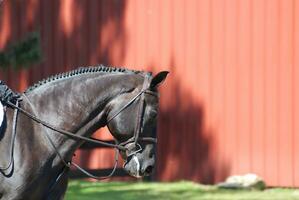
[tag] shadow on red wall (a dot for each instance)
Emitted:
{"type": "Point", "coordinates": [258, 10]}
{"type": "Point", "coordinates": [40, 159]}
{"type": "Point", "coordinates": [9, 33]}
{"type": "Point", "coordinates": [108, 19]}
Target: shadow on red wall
{"type": "Point", "coordinates": [186, 145]}
{"type": "Point", "coordinates": [73, 34]}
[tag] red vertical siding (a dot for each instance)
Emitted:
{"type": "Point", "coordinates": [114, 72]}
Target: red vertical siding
{"type": "Point", "coordinates": [284, 92]}
{"type": "Point", "coordinates": [271, 72]}
{"type": "Point", "coordinates": [258, 88]}
{"type": "Point", "coordinates": [230, 104]}
{"type": "Point", "coordinates": [295, 92]}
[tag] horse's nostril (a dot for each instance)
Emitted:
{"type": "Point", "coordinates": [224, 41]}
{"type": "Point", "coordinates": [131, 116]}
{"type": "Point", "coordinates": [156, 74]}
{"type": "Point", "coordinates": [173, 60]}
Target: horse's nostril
{"type": "Point", "coordinates": [149, 169]}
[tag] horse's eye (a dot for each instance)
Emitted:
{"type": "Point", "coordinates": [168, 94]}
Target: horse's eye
{"type": "Point", "coordinates": [152, 153]}
{"type": "Point", "coordinates": [153, 114]}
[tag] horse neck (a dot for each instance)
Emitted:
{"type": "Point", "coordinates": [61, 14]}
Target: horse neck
{"type": "Point", "coordinates": [77, 104]}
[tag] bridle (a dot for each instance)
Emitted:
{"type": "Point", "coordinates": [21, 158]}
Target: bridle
{"type": "Point", "coordinates": [117, 146]}
{"type": "Point", "coordinates": [136, 137]}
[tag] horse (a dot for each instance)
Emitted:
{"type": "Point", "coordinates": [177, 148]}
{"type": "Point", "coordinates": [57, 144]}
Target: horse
{"type": "Point", "coordinates": [60, 113]}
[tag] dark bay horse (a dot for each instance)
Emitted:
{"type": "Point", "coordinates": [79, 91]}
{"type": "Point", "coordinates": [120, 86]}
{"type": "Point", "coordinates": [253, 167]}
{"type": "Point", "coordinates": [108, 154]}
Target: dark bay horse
{"type": "Point", "coordinates": [33, 156]}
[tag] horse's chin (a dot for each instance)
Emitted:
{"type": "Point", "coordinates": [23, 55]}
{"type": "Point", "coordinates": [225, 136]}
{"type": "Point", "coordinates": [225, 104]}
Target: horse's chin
{"type": "Point", "coordinates": [133, 167]}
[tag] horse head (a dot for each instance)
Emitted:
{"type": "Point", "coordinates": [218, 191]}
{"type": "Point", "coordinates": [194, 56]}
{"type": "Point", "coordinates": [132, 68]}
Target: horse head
{"type": "Point", "coordinates": [132, 120]}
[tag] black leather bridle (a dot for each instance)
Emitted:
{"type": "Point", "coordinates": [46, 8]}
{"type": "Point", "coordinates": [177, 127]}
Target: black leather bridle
{"type": "Point", "coordinates": [133, 141]}
{"type": "Point", "coordinates": [135, 147]}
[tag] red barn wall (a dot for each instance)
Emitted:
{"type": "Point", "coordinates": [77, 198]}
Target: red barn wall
{"type": "Point", "coordinates": [231, 102]}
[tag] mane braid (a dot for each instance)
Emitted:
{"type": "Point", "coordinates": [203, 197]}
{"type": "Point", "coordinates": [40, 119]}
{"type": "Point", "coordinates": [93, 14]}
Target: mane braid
{"type": "Point", "coordinates": [81, 70]}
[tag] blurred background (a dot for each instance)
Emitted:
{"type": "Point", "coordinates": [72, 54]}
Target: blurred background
{"type": "Point", "coordinates": [231, 102]}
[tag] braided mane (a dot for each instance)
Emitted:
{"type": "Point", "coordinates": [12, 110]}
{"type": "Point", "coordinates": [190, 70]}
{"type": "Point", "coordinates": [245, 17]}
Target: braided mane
{"type": "Point", "coordinates": [80, 70]}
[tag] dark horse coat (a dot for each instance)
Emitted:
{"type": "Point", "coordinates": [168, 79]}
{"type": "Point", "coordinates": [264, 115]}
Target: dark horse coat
{"type": "Point", "coordinates": [80, 102]}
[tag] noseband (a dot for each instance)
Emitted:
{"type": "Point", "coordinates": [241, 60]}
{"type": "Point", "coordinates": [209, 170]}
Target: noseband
{"type": "Point", "coordinates": [118, 146]}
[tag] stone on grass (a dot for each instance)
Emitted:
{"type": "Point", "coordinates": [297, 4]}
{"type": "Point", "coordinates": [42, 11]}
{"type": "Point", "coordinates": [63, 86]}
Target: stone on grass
{"type": "Point", "coordinates": [247, 181]}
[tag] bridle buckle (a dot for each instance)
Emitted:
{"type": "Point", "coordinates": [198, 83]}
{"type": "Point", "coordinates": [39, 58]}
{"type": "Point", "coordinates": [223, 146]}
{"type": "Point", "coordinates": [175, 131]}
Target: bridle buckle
{"type": "Point", "coordinates": [138, 149]}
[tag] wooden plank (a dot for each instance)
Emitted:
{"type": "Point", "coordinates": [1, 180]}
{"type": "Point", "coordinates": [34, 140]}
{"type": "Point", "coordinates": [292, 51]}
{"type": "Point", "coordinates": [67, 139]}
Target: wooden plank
{"type": "Point", "coordinates": [189, 60]}
{"type": "Point", "coordinates": [295, 92]}
{"type": "Point", "coordinates": [179, 26]}
{"type": "Point", "coordinates": [93, 31]}
{"type": "Point", "coordinates": [58, 40]}
{"type": "Point", "coordinates": [5, 33]}
{"type": "Point", "coordinates": [5, 23]}
{"type": "Point", "coordinates": [47, 40]}
{"type": "Point", "coordinates": [141, 35]}
{"type": "Point", "coordinates": [130, 22]}
{"type": "Point", "coordinates": [67, 16]}
{"type": "Point", "coordinates": [81, 34]}
{"type": "Point", "coordinates": [35, 72]}
{"type": "Point", "coordinates": [15, 28]}
{"type": "Point", "coordinates": [258, 87]}
{"type": "Point", "coordinates": [244, 90]}
{"type": "Point", "coordinates": [164, 169]}
{"type": "Point", "coordinates": [32, 16]}
{"type": "Point", "coordinates": [230, 86]}
{"type": "Point", "coordinates": [217, 89]}
{"type": "Point", "coordinates": [153, 39]}
{"type": "Point", "coordinates": [23, 73]}
{"type": "Point", "coordinates": [284, 88]}
{"type": "Point", "coordinates": [165, 27]}
{"type": "Point", "coordinates": [271, 79]}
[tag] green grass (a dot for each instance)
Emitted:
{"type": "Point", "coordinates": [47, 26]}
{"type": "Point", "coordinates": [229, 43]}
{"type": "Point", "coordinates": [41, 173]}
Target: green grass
{"type": "Point", "coordinates": [82, 190]}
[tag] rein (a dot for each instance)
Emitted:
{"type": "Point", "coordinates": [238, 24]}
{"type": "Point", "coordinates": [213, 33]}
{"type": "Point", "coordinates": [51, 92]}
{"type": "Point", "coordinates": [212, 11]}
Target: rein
{"type": "Point", "coordinates": [64, 132]}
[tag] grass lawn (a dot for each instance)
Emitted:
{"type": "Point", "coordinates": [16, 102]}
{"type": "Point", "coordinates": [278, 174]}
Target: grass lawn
{"type": "Point", "coordinates": [82, 190]}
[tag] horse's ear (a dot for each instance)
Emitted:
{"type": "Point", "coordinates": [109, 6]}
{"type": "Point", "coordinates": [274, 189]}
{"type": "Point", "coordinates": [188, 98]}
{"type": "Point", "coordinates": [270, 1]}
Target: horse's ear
{"type": "Point", "coordinates": [158, 79]}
